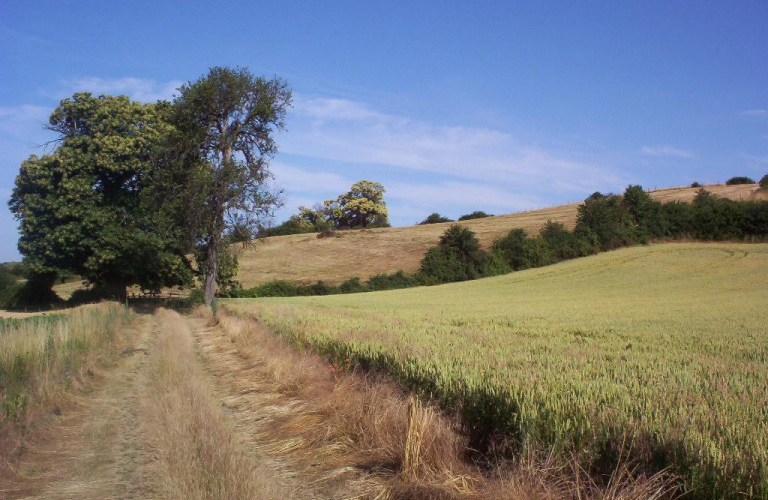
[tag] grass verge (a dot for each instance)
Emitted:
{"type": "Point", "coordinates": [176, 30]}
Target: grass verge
{"type": "Point", "coordinates": [41, 357]}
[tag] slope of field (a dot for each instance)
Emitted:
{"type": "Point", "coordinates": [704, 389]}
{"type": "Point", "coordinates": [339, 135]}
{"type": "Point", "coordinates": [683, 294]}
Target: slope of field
{"type": "Point", "coordinates": [304, 258]}
{"type": "Point", "coordinates": [667, 344]}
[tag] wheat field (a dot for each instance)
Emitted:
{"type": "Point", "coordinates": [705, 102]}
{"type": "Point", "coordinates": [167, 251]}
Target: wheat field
{"type": "Point", "coordinates": [664, 346]}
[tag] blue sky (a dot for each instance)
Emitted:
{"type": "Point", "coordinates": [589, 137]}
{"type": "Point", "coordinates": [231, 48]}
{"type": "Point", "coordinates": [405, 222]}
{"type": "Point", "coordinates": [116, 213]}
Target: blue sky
{"type": "Point", "coordinates": [453, 106]}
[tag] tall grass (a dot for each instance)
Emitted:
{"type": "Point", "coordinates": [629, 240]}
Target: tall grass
{"type": "Point", "coordinates": [42, 356]}
{"type": "Point", "coordinates": [196, 454]}
{"type": "Point", "coordinates": [664, 348]}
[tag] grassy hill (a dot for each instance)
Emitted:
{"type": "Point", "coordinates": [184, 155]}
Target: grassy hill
{"type": "Point", "coordinates": [667, 344]}
{"type": "Point", "coordinates": [304, 258]}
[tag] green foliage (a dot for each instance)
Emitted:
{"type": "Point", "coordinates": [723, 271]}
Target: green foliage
{"type": "Point", "coordinates": [696, 185]}
{"type": "Point", "coordinates": [34, 294]}
{"type": "Point", "coordinates": [521, 252]}
{"type": "Point", "coordinates": [352, 285]}
{"type": "Point", "coordinates": [435, 218]}
{"type": "Point", "coordinates": [213, 174]}
{"type": "Point", "coordinates": [764, 182]}
{"type": "Point", "coordinates": [79, 208]}
{"type": "Point", "coordinates": [458, 257]}
{"type": "Point", "coordinates": [739, 180]}
{"type": "Point", "coordinates": [608, 219]}
{"type": "Point", "coordinates": [362, 206]}
{"type": "Point", "coordinates": [478, 214]}
{"type": "Point", "coordinates": [392, 281]}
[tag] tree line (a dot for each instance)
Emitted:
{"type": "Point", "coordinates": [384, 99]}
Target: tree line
{"type": "Point", "coordinates": [604, 222]}
{"type": "Point", "coordinates": [151, 194]}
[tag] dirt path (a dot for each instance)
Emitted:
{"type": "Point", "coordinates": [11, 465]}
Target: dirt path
{"type": "Point", "coordinates": [157, 426]}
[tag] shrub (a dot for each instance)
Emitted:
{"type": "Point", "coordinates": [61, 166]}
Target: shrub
{"type": "Point", "coordinates": [608, 218]}
{"type": "Point", "coordinates": [478, 214]}
{"type": "Point", "coordinates": [521, 252]}
{"type": "Point", "coordinates": [764, 182]}
{"type": "Point", "coordinates": [695, 185]}
{"type": "Point", "coordinates": [495, 266]}
{"type": "Point", "coordinates": [739, 180]}
{"type": "Point", "coordinates": [458, 257]}
{"type": "Point", "coordinates": [434, 218]}
{"type": "Point", "coordinates": [352, 285]}
{"type": "Point", "coordinates": [562, 244]}
{"type": "Point", "coordinates": [717, 219]}
{"type": "Point", "coordinates": [392, 281]}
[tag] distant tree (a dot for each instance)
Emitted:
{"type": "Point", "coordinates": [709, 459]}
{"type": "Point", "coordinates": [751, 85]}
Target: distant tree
{"type": "Point", "coordinates": [213, 176]}
{"type": "Point", "coordinates": [435, 218]}
{"type": "Point", "coordinates": [739, 180]}
{"type": "Point", "coordinates": [478, 214]}
{"type": "Point", "coordinates": [79, 208]}
{"type": "Point", "coordinates": [695, 185]}
{"type": "Point", "coordinates": [764, 182]}
{"type": "Point", "coordinates": [362, 206]}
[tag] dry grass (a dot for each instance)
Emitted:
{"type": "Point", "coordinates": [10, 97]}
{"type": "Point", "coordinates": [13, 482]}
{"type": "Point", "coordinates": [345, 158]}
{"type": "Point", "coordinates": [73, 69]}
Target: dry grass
{"type": "Point", "coordinates": [333, 424]}
{"type": "Point", "coordinates": [196, 455]}
{"type": "Point", "coordinates": [304, 258]}
{"type": "Point", "coordinates": [42, 357]}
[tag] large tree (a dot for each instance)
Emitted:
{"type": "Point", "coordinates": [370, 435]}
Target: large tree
{"type": "Point", "coordinates": [79, 207]}
{"type": "Point", "coordinates": [214, 176]}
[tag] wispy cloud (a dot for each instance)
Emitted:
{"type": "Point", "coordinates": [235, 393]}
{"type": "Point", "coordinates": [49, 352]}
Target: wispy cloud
{"type": "Point", "coordinates": [140, 89]}
{"type": "Point", "coordinates": [667, 151]}
{"type": "Point", "coordinates": [303, 181]}
{"type": "Point", "coordinates": [22, 122]}
{"type": "Point", "coordinates": [349, 131]}
{"type": "Point", "coordinates": [754, 112]}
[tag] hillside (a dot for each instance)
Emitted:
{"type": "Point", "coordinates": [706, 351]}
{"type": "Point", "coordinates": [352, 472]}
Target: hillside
{"type": "Point", "coordinates": [303, 258]}
{"type": "Point", "coordinates": [664, 343]}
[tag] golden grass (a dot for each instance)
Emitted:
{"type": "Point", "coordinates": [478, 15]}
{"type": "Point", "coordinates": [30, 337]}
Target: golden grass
{"type": "Point", "coordinates": [43, 356]}
{"type": "Point", "coordinates": [303, 258]}
{"type": "Point", "coordinates": [196, 454]}
{"type": "Point", "coordinates": [332, 423]}
{"type": "Point", "coordinates": [664, 345]}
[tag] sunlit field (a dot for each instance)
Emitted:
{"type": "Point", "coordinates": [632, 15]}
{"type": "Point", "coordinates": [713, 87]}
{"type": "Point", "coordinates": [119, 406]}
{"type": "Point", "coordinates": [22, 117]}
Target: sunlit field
{"type": "Point", "coordinates": [661, 350]}
{"type": "Point", "coordinates": [41, 356]}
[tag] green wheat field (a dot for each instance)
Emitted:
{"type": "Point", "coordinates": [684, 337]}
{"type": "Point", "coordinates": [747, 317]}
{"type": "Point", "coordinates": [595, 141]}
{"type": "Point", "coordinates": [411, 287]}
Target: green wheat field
{"type": "Point", "coordinates": [659, 350]}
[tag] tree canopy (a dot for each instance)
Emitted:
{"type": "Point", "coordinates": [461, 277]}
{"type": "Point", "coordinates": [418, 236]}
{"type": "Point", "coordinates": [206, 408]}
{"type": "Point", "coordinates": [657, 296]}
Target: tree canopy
{"type": "Point", "coordinates": [80, 208]}
{"type": "Point", "coordinates": [362, 206]}
{"type": "Point", "coordinates": [214, 175]}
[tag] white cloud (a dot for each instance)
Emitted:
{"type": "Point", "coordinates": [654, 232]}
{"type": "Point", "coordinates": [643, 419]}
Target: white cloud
{"type": "Point", "coordinates": [754, 112]}
{"type": "Point", "coordinates": [140, 89]}
{"type": "Point", "coordinates": [666, 151]}
{"type": "Point", "coordinates": [349, 131]}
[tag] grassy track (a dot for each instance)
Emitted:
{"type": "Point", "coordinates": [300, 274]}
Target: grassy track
{"type": "Point", "coordinates": [666, 344]}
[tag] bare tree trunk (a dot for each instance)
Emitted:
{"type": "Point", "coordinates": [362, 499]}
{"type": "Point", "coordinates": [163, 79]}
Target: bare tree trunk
{"type": "Point", "coordinates": [212, 264]}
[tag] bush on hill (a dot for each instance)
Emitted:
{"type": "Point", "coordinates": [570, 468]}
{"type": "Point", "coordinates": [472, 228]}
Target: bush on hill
{"type": "Point", "coordinates": [435, 218]}
{"type": "Point", "coordinates": [764, 182]}
{"type": "Point", "coordinates": [739, 180]}
{"type": "Point", "coordinates": [478, 214]}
